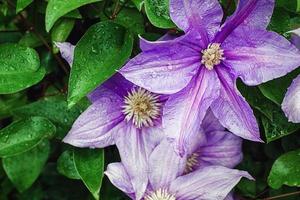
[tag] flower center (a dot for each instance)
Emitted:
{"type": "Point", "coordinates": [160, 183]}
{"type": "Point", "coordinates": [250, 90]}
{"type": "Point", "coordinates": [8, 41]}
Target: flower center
{"type": "Point", "coordinates": [212, 56]}
{"type": "Point", "coordinates": [160, 194]}
{"type": "Point", "coordinates": [142, 107]}
{"type": "Point", "coordinates": [191, 163]}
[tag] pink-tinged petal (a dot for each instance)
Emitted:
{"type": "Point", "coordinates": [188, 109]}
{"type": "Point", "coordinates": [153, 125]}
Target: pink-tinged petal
{"type": "Point", "coordinates": [251, 13]}
{"type": "Point", "coordinates": [291, 102]}
{"type": "Point", "coordinates": [67, 51]}
{"type": "Point", "coordinates": [202, 15]}
{"type": "Point", "coordinates": [164, 70]}
{"type": "Point", "coordinates": [134, 150]}
{"type": "Point", "coordinates": [164, 165]}
{"type": "Point", "coordinates": [119, 177]}
{"type": "Point", "coordinates": [184, 111]}
{"type": "Point", "coordinates": [221, 148]}
{"type": "Point", "coordinates": [258, 56]}
{"type": "Point", "coordinates": [232, 109]}
{"type": "Point", "coordinates": [209, 183]}
{"type": "Point", "coordinates": [95, 126]}
{"type": "Point", "coordinates": [295, 38]}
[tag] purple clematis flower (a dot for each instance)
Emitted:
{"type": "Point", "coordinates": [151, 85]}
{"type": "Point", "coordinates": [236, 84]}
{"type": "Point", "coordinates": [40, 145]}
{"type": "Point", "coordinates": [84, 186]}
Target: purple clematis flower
{"type": "Point", "coordinates": [168, 178]}
{"type": "Point", "coordinates": [291, 102]}
{"type": "Point", "coordinates": [201, 67]}
{"type": "Point", "coordinates": [122, 114]}
{"type": "Point", "coordinates": [212, 145]}
{"type": "Point", "coordinates": [212, 152]}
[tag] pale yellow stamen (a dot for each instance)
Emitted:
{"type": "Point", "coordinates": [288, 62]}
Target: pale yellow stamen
{"type": "Point", "coordinates": [142, 107]}
{"type": "Point", "coordinates": [191, 163]}
{"type": "Point", "coordinates": [212, 56]}
{"type": "Point", "coordinates": [160, 194]}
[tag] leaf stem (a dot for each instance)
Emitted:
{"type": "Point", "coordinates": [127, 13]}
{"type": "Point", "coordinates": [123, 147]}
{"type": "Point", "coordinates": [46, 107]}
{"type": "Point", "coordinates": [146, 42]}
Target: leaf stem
{"type": "Point", "coordinates": [281, 196]}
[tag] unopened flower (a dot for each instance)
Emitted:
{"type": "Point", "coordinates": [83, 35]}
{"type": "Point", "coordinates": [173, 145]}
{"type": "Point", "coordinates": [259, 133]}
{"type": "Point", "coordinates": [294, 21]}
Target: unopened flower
{"type": "Point", "coordinates": [201, 67]}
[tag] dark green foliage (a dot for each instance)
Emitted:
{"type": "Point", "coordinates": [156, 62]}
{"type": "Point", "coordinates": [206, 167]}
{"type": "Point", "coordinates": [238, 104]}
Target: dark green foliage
{"type": "Point", "coordinates": [37, 89]}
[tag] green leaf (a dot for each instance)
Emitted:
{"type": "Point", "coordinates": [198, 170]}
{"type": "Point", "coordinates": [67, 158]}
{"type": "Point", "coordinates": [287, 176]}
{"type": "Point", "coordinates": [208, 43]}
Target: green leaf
{"type": "Point", "coordinates": [280, 21]}
{"type": "Point", "coordinates": [24, 135]}
{"type": "Point", "coordinates": [23, 169]}
{"type": "Point", "coordinates": [103, 49]}
{"type": "Point", "coordinates": [274, 121]}
{"type": "Point", "coordinates": [90, 166]}
{"type": "Point", "coordinates": [21, 4]}
{"type": "Point", "coordinates": [66, 165]}
{"type": "Point", "coordinates": [19, 68]}
{"type": "Point", "coordinates": [58, 8]}
{"type": "Point", "coordinates": [285, 170]}
{"type": "Point", "coordinates": [279, 126]}
{"type": "Point", "coordinates": [298, 6]}
{"type": "Point", "coordinates": [131, 19]}
{"type": "Point", "coordinates": [138, 4]}
{"type": "Point", "coordinates": [54, 109]}
{"type": "Point", "coordinates": [275, 90]}
{"type": "Point", "coordinates": [158, 13]}
{"type": "Point", "coordinates": [9, 102]}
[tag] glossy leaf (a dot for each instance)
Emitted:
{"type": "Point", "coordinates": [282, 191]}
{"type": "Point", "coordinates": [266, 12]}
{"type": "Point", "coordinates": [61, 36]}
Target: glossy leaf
{"type": "Point", "coordinates": [130, 19]}
{"type": "Point", "coordinates": [58, 8]}
{"type": "Point", "coordinates": [66, 165]}
{"type": "Point", "coordinates": [158, 13]}
{"type": "Point", "coordinates": [21, 4]}
{"type": "Point", "coordinates": [138, 4]}
{"type": "Point", "coordinates": [19, 68]}
{"type": "Point", "coordinates": [274, 121]}
{"type": "Point", "coordinates": [275, 90]}
{"type": "Point", "coordinates": [23, 169]}
{"type": "Point", "coordinates": [90, 166]}
{"type": "Point", "coordinates": [23, 135]}
{"type": "Point", "coordinates": [103, 49]}
{"type": "Point", "coordinates": [285, 170]}
{"type": "Point", "coordinates": [54, 109]}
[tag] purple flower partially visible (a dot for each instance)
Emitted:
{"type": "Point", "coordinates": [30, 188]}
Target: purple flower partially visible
{"type": "Point", "coordinates": [202, 177]}
{"type": "Point", "coordinates": [291, 102]}
{"type": "Point", "coordinates": [122, 114]}
{"type": "Point", "coordinates": [201, 67]}
{"type": "Point", "coordinates": [202, 173]}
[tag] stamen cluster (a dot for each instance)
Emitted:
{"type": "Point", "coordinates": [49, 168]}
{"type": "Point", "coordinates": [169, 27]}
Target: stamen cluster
{"type": "Point", "coordinates": [212, 56]}
{"type": "Point", "coordinates": [160, 194]}
{"type": "Point", "coordinates": [191, 163]}
{"type": "Point", "coordinates": [142, 107]}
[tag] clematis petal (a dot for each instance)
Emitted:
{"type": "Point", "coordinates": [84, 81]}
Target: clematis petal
{"type": "Point", "coordinates": [164, 165]}
{"type": "Point", "coordinates": [95, 126]}
{"type": "Point", "coordinates": [67, 51]}
{"type": "Point", "coordinates": [184, 111]}
{"type": "Point", "coordinates": [167, 39]}
{"type": "Point", "coordinates": [202, 15]}
{"type": "Point", "coordinates": [117, 84]}
{"type": "Point", "coordinates": [258, 56]}
{"type": "Point", "coordinates": [291, 102]}
{"type": "Point", "coordinates": [209, 183]}
{"type": "Point", "coordinates": [261, 15]}
{"type": "Point", "coordinates": [211, 123]}
{"type": "Point", "coordinates": [232, 109]}
{"type": "Point", "coordinates": [134, 151]}
{"type": "Point", "coordinates": [251, 13]}
{"type": "Point", "coordinates": [166, 70]}
{"type": "Point", "coordinates": [119, 177]}
{"type": "Point", "coordinates": [221, 148]}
